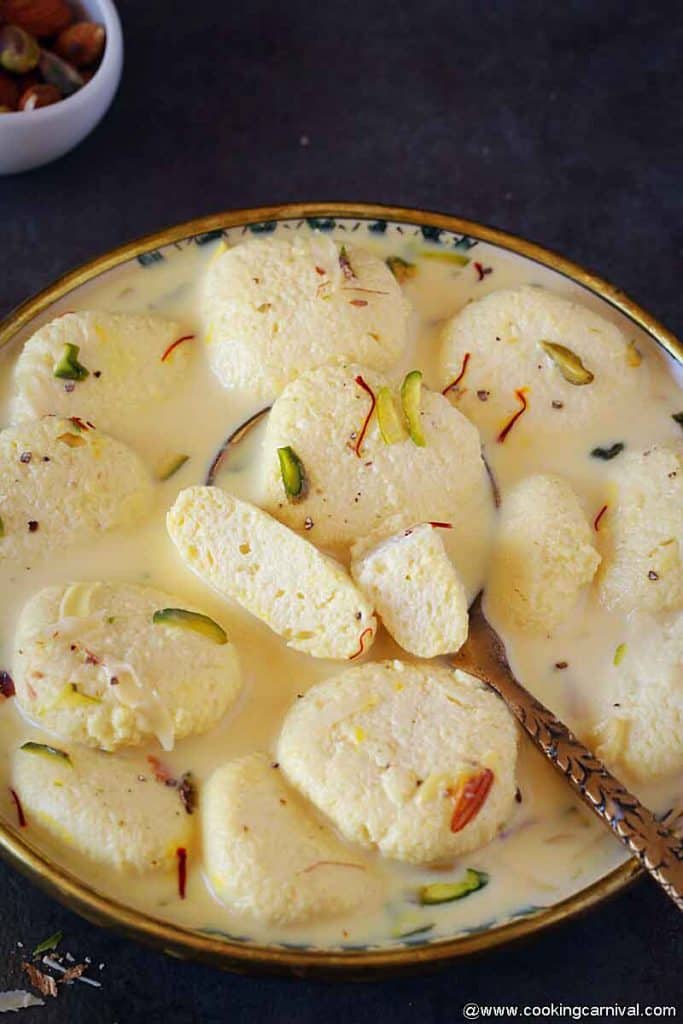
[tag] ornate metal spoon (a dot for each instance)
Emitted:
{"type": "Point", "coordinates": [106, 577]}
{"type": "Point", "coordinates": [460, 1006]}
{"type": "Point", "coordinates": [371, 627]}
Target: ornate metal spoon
{"type": "Point", "coordinates": [658, 849]}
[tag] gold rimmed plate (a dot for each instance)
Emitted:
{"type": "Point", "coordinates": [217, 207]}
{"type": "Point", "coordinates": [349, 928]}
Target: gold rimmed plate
{"type": "Point", "coordinates": [240, 953]}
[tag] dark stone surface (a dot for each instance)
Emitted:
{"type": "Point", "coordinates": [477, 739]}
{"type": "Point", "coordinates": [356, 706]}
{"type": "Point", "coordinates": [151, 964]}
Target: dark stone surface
{"type": "Point", "coordinates": [559, 122]}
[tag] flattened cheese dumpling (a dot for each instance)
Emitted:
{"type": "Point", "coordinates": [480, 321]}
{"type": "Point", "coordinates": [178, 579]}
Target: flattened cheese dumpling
{"type": "Point", "coordinates": [320, 416]}
{"type": "Point", "coordinates": [385, 751]}
{"type": "Point", "coordinates": [95, 804]}
{"type": "Point", "coordinates": [245, 554]}
{"type": "Point", "coordinates": [642, 730]}
{"type": "Point", "coordinates": [414, 587]}
{"type": "Point", "coordinates": [123, 355]}
{"type": "Point", "coordinates": [542, 556]}
{"type": "Point", "coordinates": [60, 485]}
{"type": "Point", "coordinates": [274, 308]}
{"type": "Point", "coordinates": [92, 666]}
{"type": "Point", "coordinates": [642, 532]}
{"type": "Point", "coordinates": [266, 854]}
{"type": "Point", "coordinates": [503, 334]}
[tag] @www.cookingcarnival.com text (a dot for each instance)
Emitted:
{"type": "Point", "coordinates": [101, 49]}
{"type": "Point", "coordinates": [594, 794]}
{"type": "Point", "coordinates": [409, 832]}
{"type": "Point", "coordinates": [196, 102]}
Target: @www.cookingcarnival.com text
{"type": "Point", "coordinates": [578, 1011]}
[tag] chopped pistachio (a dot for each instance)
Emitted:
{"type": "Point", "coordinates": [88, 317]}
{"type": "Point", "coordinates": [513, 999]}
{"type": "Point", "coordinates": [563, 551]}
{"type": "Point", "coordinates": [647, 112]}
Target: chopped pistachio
{"type": "Point", "coordinates": [345, 264]}
{"type": "Point", "coordinates": [171, 466]}
{"type": "Point", "coordinates": [619, 654]}
{"type": "Point", "coordinates": [390, 426]}
{"type": "Point", "coordinates": [293, 474]}
{"type": "Point", "coordinates": [446, 892]}
{"type": "Point", "coordinates": [568, 363]}
{"type": "Point", "coordinates": [446, 257]}
{"type": "Point", "coordinates": [71, 697]}
{"type": "Point", "coordinates": [401, 269]}
{"type": "Point", "coordinates": [411, 391]}
{"type": "Point", "coordinates": [2, 527]}
{"type": "Point", "coordinates": [47, 945]}
{"type": "Point", "coordinates": [60, 73]}
{"type": "Point", "coordinates": [19, 51]}
{"type": "Point", "coordinates": [194, 621]}
{"type": "Point", "coordinates": [68, 367]}
{"type": "Point", "coordinates": [45, 751]}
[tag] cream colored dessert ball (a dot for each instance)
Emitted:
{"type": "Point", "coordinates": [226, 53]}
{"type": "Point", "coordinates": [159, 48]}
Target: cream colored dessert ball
{"type": "Point", "coordinates": [642, 729]}
{"type": "Point", "coordinates": [504, 334]}
{"type": "Point", "coordinates": [542, 556]}
{"type": "Point", "coordinates": [275, 307]}
{"type": "Point", "coordinates": [245, 554]}
{"type": "Point", "coordinates": [349, 494]}
{"type": "Point", "coordinates": [107, 809]}
{"type": "Point", "coordinates": [390, 751]}
{"type": "Point", "coordinates": [93, 666]}
{"type": "Point", "coordinates": [62, 483]}
{"type": "Point", "coordinates": [642, 532]}
{"type": "Point", "coordinates": [414, 587]}
{"type": "Point", "coordinates": [268, 856]}
{"type": "Point", "coordinates": [124, 356]}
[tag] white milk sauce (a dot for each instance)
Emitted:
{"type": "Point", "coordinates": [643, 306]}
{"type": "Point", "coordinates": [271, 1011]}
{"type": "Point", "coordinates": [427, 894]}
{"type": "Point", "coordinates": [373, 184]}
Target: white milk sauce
{"type": "Point", "coordinates": [551, 847]}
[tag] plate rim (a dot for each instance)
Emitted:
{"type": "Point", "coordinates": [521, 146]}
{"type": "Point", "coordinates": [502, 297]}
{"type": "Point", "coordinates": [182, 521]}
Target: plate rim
{"type": "Point", "coordinates": [182, 942]}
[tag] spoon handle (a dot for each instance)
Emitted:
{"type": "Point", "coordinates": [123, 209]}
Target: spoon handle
{"type": "Point", "coordinates": [658, 848]}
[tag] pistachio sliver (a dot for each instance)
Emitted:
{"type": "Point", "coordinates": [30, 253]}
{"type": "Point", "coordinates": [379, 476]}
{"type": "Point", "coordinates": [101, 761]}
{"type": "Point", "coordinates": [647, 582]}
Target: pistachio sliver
{"type": "Point", "coordinates": [446, 257]}
{"type": "Point", "coordinates": [390, 426]}
{"type": "Point", "coordinates": [2, 527]}
{"type": "Point", "coordinates": [411, 393]}
{"type": "Point", "coordinates": [292, 472]}
{"type": "Point", "coordinates": [619, 655]}
{"type": "Point", "coordinates": [45, 751]}
{"type": "Point", "coordinates": [400, 268]}
{"type": "Point", "coordinates": [568, 363]}
{"type": "Point", "coordinates": [171, 466]}
{"type": "Point", "coordinates": [68, 367]}
{"type": "Point", "coordinates": [446, 892]}
{"type": "Point", "coordinates": [194, 621]}
{"type": "Point", "coordinates": [71, 697]}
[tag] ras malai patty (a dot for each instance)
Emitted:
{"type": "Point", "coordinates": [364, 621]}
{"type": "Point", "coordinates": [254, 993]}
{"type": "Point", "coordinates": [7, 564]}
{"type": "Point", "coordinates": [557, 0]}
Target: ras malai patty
{"type": "Point", "coordinates": [569, 360]}
{"type": "Point", "coordinates": [274, 308]}
{"type": "Point", "coordinates": [109, 810]}
{"type": "Point", "coordinates": [246, 555]}
{"type": "Point", "coordinates": [115, 664]}
{"type": "Point", "coordinates": [415, 760]}
{"type": "Point", "coordinates": [268, 856]}
{"type": "Point", "coordinates": [61, 483]}
{"type": "Point", "coordinates": [354, 482]}
{"type": "Point", "coordinates": [642, 727]}
{"type": "Point", "coordinates": [642, 531]}
{"type": "Point", "coordinates": [414, 587]}
{"type": "Point", "coordinates": [102, 367]}
{"type": "Point", "coordinates": [543, 555]}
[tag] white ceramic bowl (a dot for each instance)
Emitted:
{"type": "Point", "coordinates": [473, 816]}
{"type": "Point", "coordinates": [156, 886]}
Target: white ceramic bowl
{"type": "Point", "coordinates": [30, 138]}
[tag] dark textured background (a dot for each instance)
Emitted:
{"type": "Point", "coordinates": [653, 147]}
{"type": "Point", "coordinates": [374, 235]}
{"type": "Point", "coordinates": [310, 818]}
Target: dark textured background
{"type": "Point", "coordinates": [560, 122]}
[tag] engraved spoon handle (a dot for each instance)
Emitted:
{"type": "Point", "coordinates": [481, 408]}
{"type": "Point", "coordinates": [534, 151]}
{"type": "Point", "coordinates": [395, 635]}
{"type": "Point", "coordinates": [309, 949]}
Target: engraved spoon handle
{"type": "Point", "coordinates": [659, 850]}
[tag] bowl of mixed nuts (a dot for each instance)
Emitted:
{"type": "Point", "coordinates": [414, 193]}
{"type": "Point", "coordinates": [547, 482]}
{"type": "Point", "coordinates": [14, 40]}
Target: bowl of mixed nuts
{"type": "Point", "coordinates": [60, 65]}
